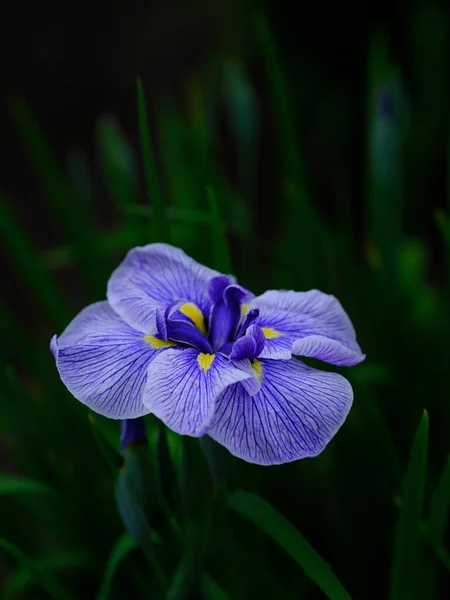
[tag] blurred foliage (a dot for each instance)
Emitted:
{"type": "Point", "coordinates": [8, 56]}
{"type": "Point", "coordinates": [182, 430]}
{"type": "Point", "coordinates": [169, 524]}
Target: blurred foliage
{"type": "Point", "coordinates": [77, 520]}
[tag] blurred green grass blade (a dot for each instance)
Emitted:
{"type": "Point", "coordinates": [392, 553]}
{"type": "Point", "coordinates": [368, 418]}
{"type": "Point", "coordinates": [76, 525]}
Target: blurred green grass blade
{"type": "Point", "coordinates": [116, 162]}
{"type": "Point", "coordinates": [132, 515]}
{"type": "Point", "coordinates": [405, 574]}
{"type": "Point", "coordinates": [119, 169]}
{"type": "Point", "coordinates": [300, 223]}
{"type": "Point", "coordinates": [121, 549]}
{"type": "Point", "coordinates": [80, 177]}
{"type": "Point", "coordinates": [166, 469]}
{"type": "Point", "coordinates": [21, 579]}
{"type": "Point", "coordinates": [284, 108]}
{"type": "Point", "coordinates": [443, 222]}
{"type": "Point", "coordinates": [183, 581]}
{"type": "Point", "coordinates": [10, 485]}
{"type": "Point", "coordinates": [154, 191]}
{"type": "Point", "coordinates": [242, 105]}
{"type": "Point", "coordinates": [107, 450]}
{"type": "Point", "coordinates": [28, 261]}
{"type": "Point", "coordinates": [436, 526]}
{"type": "Point", "coordinates": [439, 507]}
{"type": "Point", "coordinates": [216, 457]}
{"type": "Point", "coordinates": [133, 499]}
{"type": "Point", "coordinates": [386, 128]}
{"type": "Point", "coordinates": [188, 575]}
{"type": "Point", "coordinates": [75, 219]}
{"type": "Point", "coordinates": [43, 578]}
{"type": "Point", "coordinates": [269, 520]}
{"type": "Point", "coordinates": [221, 253]}
{"type": "Point", "coordinates": [211, 590]}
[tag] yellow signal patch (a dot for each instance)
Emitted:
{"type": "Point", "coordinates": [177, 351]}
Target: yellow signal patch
{"type": "Point", "coordinates": [270, 333]}
{"type": "Point", "coordinates": [157, 343]}
{"type": "Point", "coordinates": [205, 361]}
{"type": "Point", "coordinates": [192, 311]}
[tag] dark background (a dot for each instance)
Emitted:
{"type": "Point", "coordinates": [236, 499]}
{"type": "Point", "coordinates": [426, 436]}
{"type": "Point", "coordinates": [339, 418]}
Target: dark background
{"type": "Point", "coordinates": [75, 65]}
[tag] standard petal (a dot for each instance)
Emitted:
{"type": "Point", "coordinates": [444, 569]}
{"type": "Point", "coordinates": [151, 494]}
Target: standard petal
{"type": "Point", "coordinates": [103, 362]}
{"type": "Point", "coordinates": [182, 388]}
{"type": "Point", "coordinates": [294, 415]}
{"type": "Point", "coordinates": [153, 276]}
{"type": "Point", "coordinates": [286, 317]}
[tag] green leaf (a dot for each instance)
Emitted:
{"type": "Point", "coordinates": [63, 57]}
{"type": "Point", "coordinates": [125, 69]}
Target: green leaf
{"type": "Point", "coordinates": [27, 259]}
{"type": "Point", "coordinates": [439, 507]}
{"type": "Point", "coordinates": [300, 221]}
{"type": "Point", "coordinates": [436, 526]}
{"type": "Point", "coordinates": [216, 457]}
{"type": "Point", "coordinates": [121, 549]}
{"type": "Point", "coordinates": [405, 575]}
{"type": "Point", "coordinates": [188, 575]}
{"type": "Point", "coordinates": [42, 578]}
{"type": "Point", "coordinates": [109, 450]}
{"type": "Point", "coordinates": [151, 175]}
{"type": "Point", "coordinates": [221, 253]}
{"type": "Point", "coordinates": [75, 219]}
{"type": "Point", "coordinates": [132, 513]}
{"type": "Point", "coordinates": [133, 500]}
{"type": "Point", "coordinates": [384, 156]}
{"type": "Point", "coordinates": [211, 590]}
{"type": "Point", "coordinates": [10, 485]}
{"type": "Point", "coordinates": [269, 520]}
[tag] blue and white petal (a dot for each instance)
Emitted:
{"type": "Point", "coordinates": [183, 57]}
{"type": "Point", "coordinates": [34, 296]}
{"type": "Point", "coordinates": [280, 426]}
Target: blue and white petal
{"type": "Point", "coordinates": [150, 278]}
{"type": "Point", "coordinates": [103, 362]}
{"type": "Point", "coordinates": [310, 324]}
{"type": "Point", "coordinates": [294, 415]}
{"type": "Point", "coordinates": [182, 388]}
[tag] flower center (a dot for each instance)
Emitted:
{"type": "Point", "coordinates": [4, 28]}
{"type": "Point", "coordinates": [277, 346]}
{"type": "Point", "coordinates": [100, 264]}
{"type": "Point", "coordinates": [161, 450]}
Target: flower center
{"type": "Point", "coordinates": [227, 329]}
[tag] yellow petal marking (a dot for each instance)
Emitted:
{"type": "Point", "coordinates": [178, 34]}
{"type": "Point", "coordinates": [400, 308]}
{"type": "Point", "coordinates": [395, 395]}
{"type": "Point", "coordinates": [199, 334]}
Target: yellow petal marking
{"type": "Point", "coordinates": [192, 311]}
{"type": "Point", "coordinates": [205, 361]}
{"type": "Point", "coordinates": [270, 333]}
{"type": "Point", "coordinates": [244, 308]}
{"type": "Point", "coordinates": [157, 343]}
{"type": "Point", "coordinates": [258, 368]}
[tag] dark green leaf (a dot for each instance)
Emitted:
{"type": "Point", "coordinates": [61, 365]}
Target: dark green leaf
{"type": "Point", "coordinates": [42, 578]}
{"type": "Point", "coordinates": [151, 174]}
{"type": "Point", "coordinates": [221, 253]}
{"type": "Point", "coordinates": [10, 485]}
{"type": "Point", "coordinates": [405, 575]}
{"type": "Point", "coordinates": [269, 520]}
{"type": "Point", "coordinates": [121, 549]}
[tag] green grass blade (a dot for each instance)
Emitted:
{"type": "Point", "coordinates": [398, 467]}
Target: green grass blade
{"type": "Point", "coordinates": [28, 261]}
{"type": "Point", "coordinates": [386, 117]}
{"type": "Point", "coordinates": [44, 579]}
{"type": "Point", "coordinates": [300, 222]}
{"type": "Point", "coordinates": [121, 549]}
{"type": "Point", "coordinates": [161, 229]}
{"type": "Point", "coordinates": [211, 590]}
{"type": "Point", "coordinates": [221, 253]}
{"type": "Point", "coordinates": [436, 526]}
{"type": "Point", "coordinates": [405, 562]}
{"type": "Point", "coordinates": [10, 485]}
{"type": "Point", "coordinates": [75, 220]}
{"type": "Point", "coordinates": [269, 520]}
{"type": "Point", "coordinates": [439, 508]}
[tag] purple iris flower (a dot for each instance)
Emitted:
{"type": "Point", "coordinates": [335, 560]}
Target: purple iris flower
{"type": "Point", "coordinates": [199, 351]}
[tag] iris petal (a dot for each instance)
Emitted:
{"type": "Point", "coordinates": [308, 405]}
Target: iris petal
{"type": "Point", "coordinates": [182, 387]}
{"type": "Point", "coordinates": [153, 276]}
{"type": "Point", "coordinates": [289, 318]}
{"type": "Point", "coordinates": [226, 315]}
{"type": "Point", "coordinates": [294, 415]}
{"type": "Point", "coordinates": [103, 362]}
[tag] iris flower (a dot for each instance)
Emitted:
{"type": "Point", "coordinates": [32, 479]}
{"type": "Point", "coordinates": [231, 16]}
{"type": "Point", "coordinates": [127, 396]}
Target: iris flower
{"type": "Point", "coordinates": [206, 356]}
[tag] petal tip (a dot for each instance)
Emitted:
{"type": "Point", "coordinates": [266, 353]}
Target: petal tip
{"type": "Point", "coordinates": [54, 348]}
